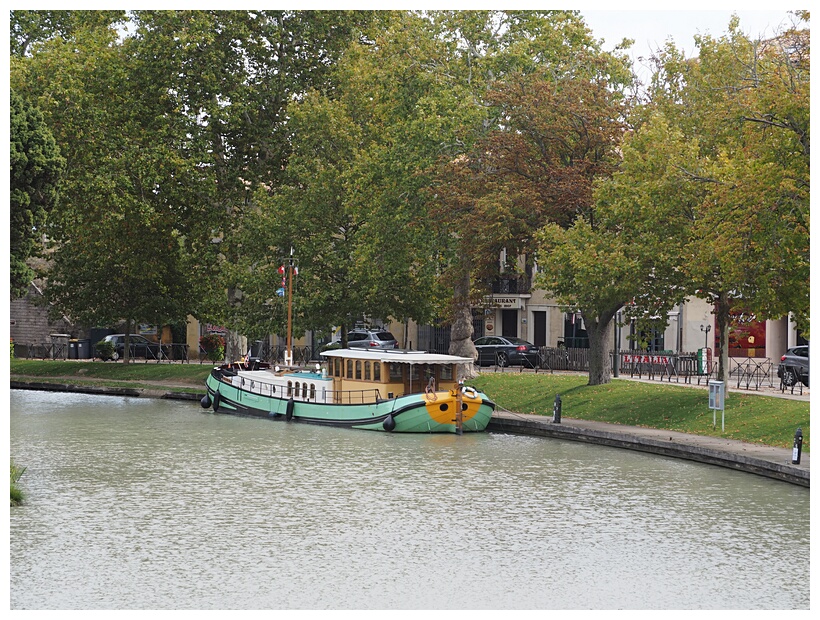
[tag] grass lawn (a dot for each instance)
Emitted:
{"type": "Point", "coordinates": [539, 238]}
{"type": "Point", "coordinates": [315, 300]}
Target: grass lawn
{"type": "Point", "coordinates": [193, 374]}
{"type": "Point", "coordinates": [748, 417]}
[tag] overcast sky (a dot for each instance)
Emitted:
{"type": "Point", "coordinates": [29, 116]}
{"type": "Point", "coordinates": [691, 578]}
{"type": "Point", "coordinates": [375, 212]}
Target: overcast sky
{"type": "Point", "coordinates": [650, 29]}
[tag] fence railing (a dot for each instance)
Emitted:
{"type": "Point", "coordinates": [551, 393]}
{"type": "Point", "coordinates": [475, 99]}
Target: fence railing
{"type": "Point", "coordinates": [167, 352]}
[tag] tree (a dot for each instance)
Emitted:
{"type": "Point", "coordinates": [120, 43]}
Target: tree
{"type": "Point", "coordinates": [352, 205]}
{"type": "Point", "coordinates": [744, 104]}
{"type": "Point", "coordinates": [36, 168]}
{"type": "Point", "coordinates": [552, 103]}
{"type": "Point", "coordinates": [230, 76]}
{"type": "Point", "coordinates": [627, 254]}
{"type": "Point", "coordinates": [116, 243]}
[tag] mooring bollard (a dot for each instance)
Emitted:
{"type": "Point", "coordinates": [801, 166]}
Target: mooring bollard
{"type": "Point", "coordinates": [556, 409]}
{"type": "Point", "coordinates": [798, 446]}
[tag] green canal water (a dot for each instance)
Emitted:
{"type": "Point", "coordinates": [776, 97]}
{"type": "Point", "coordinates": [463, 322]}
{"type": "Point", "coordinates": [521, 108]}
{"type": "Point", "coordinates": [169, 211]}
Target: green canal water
{"type": "Point", "coordinates": [148, 504]}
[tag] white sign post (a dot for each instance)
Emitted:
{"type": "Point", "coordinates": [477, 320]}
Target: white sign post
{"type": "Point", "coordinates": [717, 398]}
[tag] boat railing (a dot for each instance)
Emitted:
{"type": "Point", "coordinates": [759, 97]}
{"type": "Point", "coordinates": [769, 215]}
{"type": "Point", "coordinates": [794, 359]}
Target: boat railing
{"type": "Point", "coordinates": [355, 397]}
{"type": "Point", "coordinates": [303, 390]}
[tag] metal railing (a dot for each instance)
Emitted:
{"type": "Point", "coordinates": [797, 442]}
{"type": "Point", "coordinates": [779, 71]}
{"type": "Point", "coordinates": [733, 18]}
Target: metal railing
{"type": "Point", "coordinates": [305, 391]}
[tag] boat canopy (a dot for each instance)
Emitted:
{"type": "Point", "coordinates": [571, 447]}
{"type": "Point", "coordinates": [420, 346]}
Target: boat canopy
{"type": "Point", "coordinates": [397, 356]}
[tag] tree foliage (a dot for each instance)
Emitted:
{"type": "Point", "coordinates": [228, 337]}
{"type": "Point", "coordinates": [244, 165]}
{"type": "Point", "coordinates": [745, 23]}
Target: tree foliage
{"type": "Point", "coordinates": [740, 112]}
{"type": "Point", "coordinates": [36, 168]}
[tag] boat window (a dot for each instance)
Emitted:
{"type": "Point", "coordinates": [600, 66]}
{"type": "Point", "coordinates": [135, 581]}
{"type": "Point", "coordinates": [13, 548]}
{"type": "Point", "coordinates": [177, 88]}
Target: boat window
{"type": "Point", "coordinates": [298, 385]}
{"type": "Point", "coordinates": [358, 369]}
{"type": "Point", "coordinates": [377, 371]}
{"type": "Point", "coordinates": [349, 369]}
{"type": "Point", "coordinates": [312, 391]}
{"type": "Point", "coordinates": [396, 373]}
{"type": "Point", "coordinates": [290, 388]}
{"type": "Point", "coordinates": [337, 367]}
{"type": "Point", "coordinates": [367, 371]}
{"type": "Point", "coordinates": [446, 372]}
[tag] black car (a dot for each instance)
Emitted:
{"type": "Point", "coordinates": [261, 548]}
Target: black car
{"type": "Point", "coordinates": [506, 351]}
{"type": "Point", "coordinates": [138, 346]}
{"type": "Point", "coordinates": [794, 366]}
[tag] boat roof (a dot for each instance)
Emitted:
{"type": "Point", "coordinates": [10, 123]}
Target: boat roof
{"type": "Point", "coordinates": [397, 356]}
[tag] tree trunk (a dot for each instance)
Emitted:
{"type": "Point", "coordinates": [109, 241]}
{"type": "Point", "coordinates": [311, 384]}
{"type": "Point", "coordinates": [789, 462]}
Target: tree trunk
{"type": "Point", "coordinates": [599, 332]}
{"type": "Point", "coordinates": [461, 328]}
{"type": "Point", "coordinates": [722, 320]}
{"type": "Point", "coordinates": [126, 349]}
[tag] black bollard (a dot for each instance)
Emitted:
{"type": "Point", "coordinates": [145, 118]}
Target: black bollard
{"type": "Point", "coordinates": [556, 409]}
{"type": "Point", "coordinates": [798, 446]}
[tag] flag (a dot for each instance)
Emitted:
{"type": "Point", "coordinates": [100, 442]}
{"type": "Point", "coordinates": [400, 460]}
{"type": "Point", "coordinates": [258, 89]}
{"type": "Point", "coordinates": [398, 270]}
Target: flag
{"type": "Point", "coordinates": [282, 269]}
{"type": "Point", "coordinates": [280, 292]}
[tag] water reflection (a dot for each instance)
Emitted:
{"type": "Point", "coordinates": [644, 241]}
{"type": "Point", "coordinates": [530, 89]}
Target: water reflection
{"type": "Point", "coordinates": [152, 504]}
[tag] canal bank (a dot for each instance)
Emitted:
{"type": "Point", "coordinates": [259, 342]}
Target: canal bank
{"type": "Point", "coordinates": [751, 458]}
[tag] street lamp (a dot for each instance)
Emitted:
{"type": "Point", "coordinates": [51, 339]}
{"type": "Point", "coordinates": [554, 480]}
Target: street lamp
{"type": "Point", "coordinates": [707, 329]}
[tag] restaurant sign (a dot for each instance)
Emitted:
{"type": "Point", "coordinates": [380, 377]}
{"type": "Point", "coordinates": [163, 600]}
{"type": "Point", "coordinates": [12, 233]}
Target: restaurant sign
{"type": "Point", "coordinates": [505, 303]}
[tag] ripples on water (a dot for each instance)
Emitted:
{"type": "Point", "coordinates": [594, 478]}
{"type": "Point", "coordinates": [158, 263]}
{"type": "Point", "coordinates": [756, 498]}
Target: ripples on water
{"type": "Point", "coordinates": [143, 504]}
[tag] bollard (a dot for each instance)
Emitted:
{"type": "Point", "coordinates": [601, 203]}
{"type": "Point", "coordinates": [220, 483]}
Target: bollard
{"type": "Point", "coordinates": [556, 409]}
{"type": "Point", "coordinates": [798, 446]}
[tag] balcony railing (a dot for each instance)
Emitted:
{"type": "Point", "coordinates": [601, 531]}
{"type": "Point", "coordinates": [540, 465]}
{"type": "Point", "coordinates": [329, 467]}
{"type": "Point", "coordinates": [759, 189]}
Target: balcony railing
{"type": "Point", "coordinates": [511, 285]}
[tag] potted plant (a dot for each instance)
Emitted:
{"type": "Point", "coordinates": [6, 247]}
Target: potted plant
{"type": "Point", "coordinates": [214, 347]}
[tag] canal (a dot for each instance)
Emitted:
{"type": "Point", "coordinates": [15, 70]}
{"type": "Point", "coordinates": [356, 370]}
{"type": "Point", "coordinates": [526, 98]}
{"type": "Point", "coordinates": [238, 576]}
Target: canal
{"type": "Point", "coordinates": [152, 504]}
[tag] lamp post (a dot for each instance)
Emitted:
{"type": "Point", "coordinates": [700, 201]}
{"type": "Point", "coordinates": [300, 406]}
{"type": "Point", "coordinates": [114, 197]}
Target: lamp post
{"type": "Point", "coordinates": [707, 329]}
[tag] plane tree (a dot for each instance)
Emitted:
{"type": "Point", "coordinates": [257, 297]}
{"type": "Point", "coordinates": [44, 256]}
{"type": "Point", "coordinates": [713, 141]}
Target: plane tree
{"type": "Point", "coordinates": [743, 105]}
{"type": "Point", "coordinates": [36, 168]}
{"type": "Point", "coordinates": [114, 250]}
{"type": "Point", "coordinates": [351, 206]}
{"type": "Point", "coordinates": [552, 107]}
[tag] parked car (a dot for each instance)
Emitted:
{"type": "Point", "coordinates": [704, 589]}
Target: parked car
{"type": "Point", "coordinates": [371, 339]}
{"type": "Point", "coordinates": [139, 346]}
{"type": "Point", "coordinates": [794, 366]}
{"type": "Point", "coordinates": [506, 351]}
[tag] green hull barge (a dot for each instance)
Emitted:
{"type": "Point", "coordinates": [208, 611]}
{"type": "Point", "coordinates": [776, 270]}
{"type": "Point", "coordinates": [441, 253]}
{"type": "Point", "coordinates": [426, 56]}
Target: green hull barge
{"type": "Point", "coordinates": [385, 390]}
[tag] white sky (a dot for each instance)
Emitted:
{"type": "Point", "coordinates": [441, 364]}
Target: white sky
{"type": "Point", "coordinates": [650, 29]}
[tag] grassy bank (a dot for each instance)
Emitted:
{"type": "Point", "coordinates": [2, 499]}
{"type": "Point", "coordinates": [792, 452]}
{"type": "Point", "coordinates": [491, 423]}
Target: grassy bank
{"type": "Point", "coordinates": [748, 417]}
{"type": "Point", "coordinates": [193, 374]}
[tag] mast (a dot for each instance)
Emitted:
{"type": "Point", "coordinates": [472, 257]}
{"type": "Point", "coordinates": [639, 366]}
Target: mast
{"type": "Point", "coordinates": [289, 344]}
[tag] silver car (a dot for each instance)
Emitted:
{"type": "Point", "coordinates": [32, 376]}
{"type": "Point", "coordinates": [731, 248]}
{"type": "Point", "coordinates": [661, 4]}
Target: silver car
{"type": "Point", "coordinates": [370, 339]}
{"type": "Point", "coordinates": [794, 366]}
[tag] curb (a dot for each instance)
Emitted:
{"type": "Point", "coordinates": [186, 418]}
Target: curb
{"type": "Point", "coordinates": [612, 435]}
{"type": "Point", "coordinates": [104, 390]}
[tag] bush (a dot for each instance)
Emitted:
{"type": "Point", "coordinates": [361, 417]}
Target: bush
{"type": "Point", "coordinates": [16, 493]}
{"type": "Point", "coordinates": [106, 350]}
{"type": "Point", "coordinates": [214, 347]}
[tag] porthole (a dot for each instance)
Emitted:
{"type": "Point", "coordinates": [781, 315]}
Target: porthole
{"type": "Point", "coordinates": [464, 406]}
{"type": "Point", "coordinates": [444, 406]}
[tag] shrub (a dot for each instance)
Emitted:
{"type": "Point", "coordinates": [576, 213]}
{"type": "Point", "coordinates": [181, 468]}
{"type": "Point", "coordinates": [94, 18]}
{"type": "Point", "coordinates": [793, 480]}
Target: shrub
{"type": "Point", "coordinates": [105, 350]}
{"type": "Point", "coordinates": [16, 493]}
{"type": "Point", "coordinates": [214, 347]}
